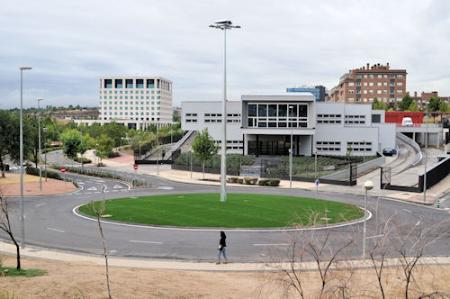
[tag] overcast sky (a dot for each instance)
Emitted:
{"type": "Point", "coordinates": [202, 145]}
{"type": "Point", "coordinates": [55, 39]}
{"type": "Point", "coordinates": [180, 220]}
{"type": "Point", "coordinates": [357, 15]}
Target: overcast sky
{"type": "Point", "coordinates": [70, 44]}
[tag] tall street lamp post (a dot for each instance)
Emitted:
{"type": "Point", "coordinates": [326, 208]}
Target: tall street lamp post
{"type": "Point", "coordinates": [39, 141]}
{"type": "Point", "coordinates": [224, 25]}
{"type": "Point", "coordinates": [45, 154]}
{"type": "Point", "coordinates": [368, 185]}
{"type": "Point", "coordinates": [425, 161]}
{"type": "Point", "coordinates": [291, 148]}
{"type": "Point", "coordinates": [22, 208]}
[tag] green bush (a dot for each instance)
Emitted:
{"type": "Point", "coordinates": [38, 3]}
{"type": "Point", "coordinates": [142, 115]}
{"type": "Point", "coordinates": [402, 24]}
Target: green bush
{"type": "Point", "coordinates": [82, 160]}
{"type": "Point", "coordinates": [269, 182]}
{"type": "Point", "coordinates": [250, 180]}
{"type": "Point", "coordinates": [50, 174]}
{"type": "Point", "coordinates": [234, 161]}
{"type": "Point", "coordinates": [240, 181]}
{"type": "Point", "coordinates": [232, 180]}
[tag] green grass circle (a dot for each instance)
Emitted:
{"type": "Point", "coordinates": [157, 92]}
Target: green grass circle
{"type": "Point", "coordinates": [240, 210]}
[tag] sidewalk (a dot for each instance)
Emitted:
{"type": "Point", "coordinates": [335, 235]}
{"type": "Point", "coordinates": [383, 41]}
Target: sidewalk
{"type": "Point", "coordinates": [56, 255]}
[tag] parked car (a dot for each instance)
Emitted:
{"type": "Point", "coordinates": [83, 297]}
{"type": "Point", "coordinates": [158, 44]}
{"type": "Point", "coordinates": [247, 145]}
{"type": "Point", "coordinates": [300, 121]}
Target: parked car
{"type": "Point", "coordinates": [389, 151]}
{"type": "Point", "coordinates": [407, 122]}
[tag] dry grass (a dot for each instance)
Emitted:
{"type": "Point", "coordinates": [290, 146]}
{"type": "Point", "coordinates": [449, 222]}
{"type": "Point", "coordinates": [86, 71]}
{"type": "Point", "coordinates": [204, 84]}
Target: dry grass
{"type": "Point", "coordinates": [71, 280]}
{"type": "Point", "coordinates": [14, 178]}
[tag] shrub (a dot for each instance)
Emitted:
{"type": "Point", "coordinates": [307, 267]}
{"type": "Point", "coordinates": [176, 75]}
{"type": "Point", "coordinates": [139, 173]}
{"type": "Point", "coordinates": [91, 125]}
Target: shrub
{"type": "Point", "coordinates": [50, 174]}
{"type": "Point", "coordinates": [240, 181]}
{"type": "Point", "coordinates": [82, 160]}
{"type": "Point", "coordinates": [232, 180]}
{"type": "Point", "coordinates": [269, 182]}
{"type": "Point", "coordinates": [250, 180]}
{"type": "Point", "coordinates": [113, 154]}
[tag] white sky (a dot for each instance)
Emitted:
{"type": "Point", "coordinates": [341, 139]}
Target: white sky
{"type": "Point", "coordinates": [70, 44]}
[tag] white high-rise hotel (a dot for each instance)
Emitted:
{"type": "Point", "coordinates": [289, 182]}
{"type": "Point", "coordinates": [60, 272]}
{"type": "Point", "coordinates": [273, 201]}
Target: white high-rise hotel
{"type": "Point", "coordinates": [136, 101]}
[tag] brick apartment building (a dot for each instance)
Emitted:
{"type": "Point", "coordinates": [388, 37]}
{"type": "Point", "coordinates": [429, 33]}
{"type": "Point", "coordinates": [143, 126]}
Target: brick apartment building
{"type": "Point", "coordinates": [364, 84]}
{"type": "Point", "coordinates": [425, 97]}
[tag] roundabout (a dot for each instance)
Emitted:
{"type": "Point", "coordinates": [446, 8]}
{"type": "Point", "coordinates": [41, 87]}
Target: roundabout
{"type": "Point", "coordinates": [51, 223]}
{"type": "Point", "coordinates": [242, 210]}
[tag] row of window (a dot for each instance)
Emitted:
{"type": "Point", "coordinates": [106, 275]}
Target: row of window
{"type": "Point", "coordinates": [126, 113]}
{"type": "Point", "coordinates": [137, 118]}
{"type": "Point", "coordinates": [357, 146]}
{"type": "Point", "coordinates": [131, 97]}
{"type": "Point", "coordinates": [131, 108]}
{"type": "Point", "coordinates": [379, 76]}
{"type": "Point", "coordinates": [126, 103]}
{"type": "Point", "coordinates": [280, 110]}
{"type": "Point", "coordinates": [130, 91]}
{"type": "Point", "coordinates": [254, 122]}
{"type": "Point", "coordinates": [136, 83]}
{"type": "Point", "coordinates": [374, 83]}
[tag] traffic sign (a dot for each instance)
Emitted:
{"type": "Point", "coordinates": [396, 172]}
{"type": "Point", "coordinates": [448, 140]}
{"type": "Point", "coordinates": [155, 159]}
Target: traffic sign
{"type": "Point", "coordinates": [62, 169]}
{"type": "Point", "coordinates": [135, 166]}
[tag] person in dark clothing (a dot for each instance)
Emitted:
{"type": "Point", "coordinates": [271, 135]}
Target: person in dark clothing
{"type": "Point", "coordinates": [222, 248]}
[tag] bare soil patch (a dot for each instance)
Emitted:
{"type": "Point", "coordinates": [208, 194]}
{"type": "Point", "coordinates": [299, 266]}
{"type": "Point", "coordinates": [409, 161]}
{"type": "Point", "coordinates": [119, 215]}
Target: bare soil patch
{"type": "Point", "coordinates": [84, 280]}
{"type": "Point", "coordinates": [10, 185]}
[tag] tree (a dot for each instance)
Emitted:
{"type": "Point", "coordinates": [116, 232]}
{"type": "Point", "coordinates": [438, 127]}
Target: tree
{"type": "Point", "coordinates": [413, 107]}
{"type": "Point", "coordinates": [433, 104]}
{"type": "Point", "coordinates": [116, 132]}
{"type": "Point", "coordinates": [204, 148]}
{"type": "Point", "coordinates": [443, 106]}
{"type": "Point", "coordinates": [5, 225]}
{"type": "Point", "coordinates": [378, 105]}
{"type": "Point", "coordinates": [104, 146]}
{"type": "Point", "coordinates": [71, 140]}
{"type": "Point", "coordinates": [99, 209]}
{"type": "Point", "coordinates": [10, 138]}
{"type": "Point", "coordinates": [405, 102]}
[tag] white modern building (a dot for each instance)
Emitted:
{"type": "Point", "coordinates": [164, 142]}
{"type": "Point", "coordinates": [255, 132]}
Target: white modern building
{"type": "Point", "coordinates": [263, 125]}
{"type": "Point", "coordinates": [135, 101]}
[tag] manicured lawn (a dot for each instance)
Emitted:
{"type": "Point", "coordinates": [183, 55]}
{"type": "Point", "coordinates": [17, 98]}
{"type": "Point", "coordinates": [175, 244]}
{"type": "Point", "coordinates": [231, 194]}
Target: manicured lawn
{"type": "Point", "coordinates": [241, 210]}
{"type": "Point", "coordinates": [12, 271]}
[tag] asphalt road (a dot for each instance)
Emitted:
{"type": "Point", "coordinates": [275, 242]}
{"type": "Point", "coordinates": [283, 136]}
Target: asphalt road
{"type": "Point", "coordinates": [51, 223]}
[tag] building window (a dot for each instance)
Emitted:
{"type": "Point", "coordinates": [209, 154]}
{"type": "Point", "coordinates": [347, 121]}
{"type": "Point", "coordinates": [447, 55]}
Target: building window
{"type": "Point", "coordinates": [107, 83]}
{"type": "Point", "coordinates": [118, 83]}
{"type": "Point", "coordinates": [129, 83]}
{"type": "Point", "coordinates": [139, 83]}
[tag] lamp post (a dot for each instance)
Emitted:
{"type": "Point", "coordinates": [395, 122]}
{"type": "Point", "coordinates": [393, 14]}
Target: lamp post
{"type": "Point", "coordinates": [45, 154]}
{"type": "Point", "coordinates": [368, 185]}
{"type": "Point", "coordinates": [39, 141]}
{"type": "Point", "coordinates": [224, 26]}
{"type": "Point", "coordinates": [291, 147]}
{"type": "Point", "coordinates": [157, 145]}
{"type": "Point", "coordinates": [22, 208]}
{"type": "Point", "coordinates": [425, 161]}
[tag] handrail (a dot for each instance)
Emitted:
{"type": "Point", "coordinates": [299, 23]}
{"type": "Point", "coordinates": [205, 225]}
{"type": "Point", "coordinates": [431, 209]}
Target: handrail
{"type": "Point", "coordinates": [414, 145]}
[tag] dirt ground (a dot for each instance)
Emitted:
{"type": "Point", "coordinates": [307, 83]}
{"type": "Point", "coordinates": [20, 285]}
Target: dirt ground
{"type": "Point", "coordinates": [10, 186]}
{"type": "Point", "coordinates": [70, 280]}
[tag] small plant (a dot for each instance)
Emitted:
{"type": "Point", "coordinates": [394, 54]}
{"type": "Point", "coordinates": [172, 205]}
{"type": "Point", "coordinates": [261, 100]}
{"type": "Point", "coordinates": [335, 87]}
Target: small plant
{"type": "Point", "coordinates": [250, 180]}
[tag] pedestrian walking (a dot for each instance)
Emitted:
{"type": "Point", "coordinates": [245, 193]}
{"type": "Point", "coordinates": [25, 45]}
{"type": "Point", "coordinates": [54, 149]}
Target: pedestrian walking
{"type": "Point", "coordinates": [222, 248]}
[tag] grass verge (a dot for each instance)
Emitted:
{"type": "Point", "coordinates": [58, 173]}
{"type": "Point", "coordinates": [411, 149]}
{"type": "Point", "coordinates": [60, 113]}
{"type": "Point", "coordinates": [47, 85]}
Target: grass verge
{"type": "Point", "coordinates": [12, 272]}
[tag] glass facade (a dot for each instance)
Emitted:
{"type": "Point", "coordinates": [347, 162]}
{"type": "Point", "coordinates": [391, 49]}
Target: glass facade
{"type": "Point", "coordinates": [271, 115]}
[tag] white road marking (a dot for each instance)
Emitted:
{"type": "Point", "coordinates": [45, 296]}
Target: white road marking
{"type": "Point", "coordinates": [408, 211]}
{"type": "Point", "coordinates": [117, 187]}
{"type": "Point", "coordinates": [40, 205]}
{"type": "Point", "coordinates": [165, 188]}
{"type": "Point", "coordinates": [80, 183]}
{"type": "Point", "coordinates": [92, 189]}
{"type": "Point", "coordinates": [55, 229]}
{"type": "Point", "coordinates": [376, 236]}
{"type": "Point", "coordinates": [418, 223]}
{"type": "Point", "coordinates": [272, 244]}
{"type": "Point", "coordinates": [145, 242]}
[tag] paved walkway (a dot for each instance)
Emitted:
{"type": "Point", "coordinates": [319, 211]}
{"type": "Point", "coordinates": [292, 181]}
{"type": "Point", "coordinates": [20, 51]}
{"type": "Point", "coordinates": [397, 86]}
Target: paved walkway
{"type": "Point", "coordinates": [34, 252]}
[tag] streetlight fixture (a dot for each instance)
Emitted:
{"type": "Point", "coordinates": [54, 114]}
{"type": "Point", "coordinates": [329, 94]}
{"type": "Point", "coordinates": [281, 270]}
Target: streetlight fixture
{"type": "Point", "coordinates": [224, 25]}
{"type": "Point", "coordinates": [368, 185]}
{"type": "Point", "coordinates": [39, 141]}
{"type": "Point", "coordinates": [291, 147]}
{"type": "Point", "coordinates": [22, 208]}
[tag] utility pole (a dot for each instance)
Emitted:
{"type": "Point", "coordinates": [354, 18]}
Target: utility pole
{"type": "Point", "coordinates": [39, 141]}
